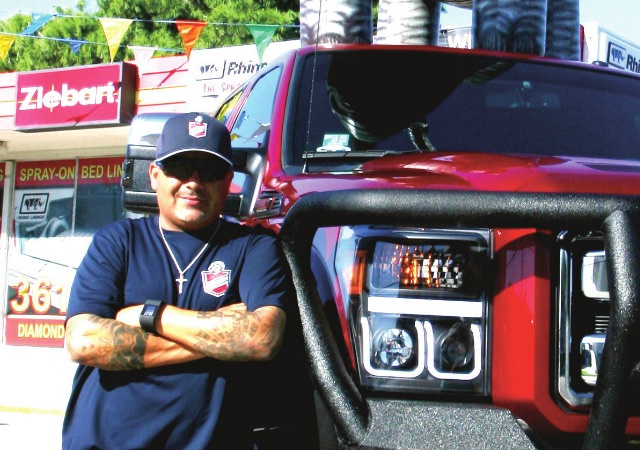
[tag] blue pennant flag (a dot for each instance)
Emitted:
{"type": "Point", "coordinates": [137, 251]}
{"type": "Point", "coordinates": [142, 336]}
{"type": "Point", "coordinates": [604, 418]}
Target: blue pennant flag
{"type": "Point", "coordinates": [38, 21]}
{"type": "Point", "coordinates": [74, 44]}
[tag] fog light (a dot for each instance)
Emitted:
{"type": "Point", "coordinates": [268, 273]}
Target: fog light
{"type": "Point", "coordinates": [393, 347]}
{"type": "Point", "coordinates": [456, 348]}
{"type": "Point", "coordinates": [393, 352]}
{"type": "Point", "coordinates": [454, 353]}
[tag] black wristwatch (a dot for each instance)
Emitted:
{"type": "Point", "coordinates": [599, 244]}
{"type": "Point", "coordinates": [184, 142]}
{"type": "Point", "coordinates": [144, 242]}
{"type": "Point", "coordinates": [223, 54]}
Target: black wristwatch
{"type": "Point", "coordinates": [150, 311]}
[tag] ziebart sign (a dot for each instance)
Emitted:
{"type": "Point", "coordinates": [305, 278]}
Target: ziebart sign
{"type": "Point", "coordinates": [215, 73]}
{"type": "Point", "coordinates": [102, 94]}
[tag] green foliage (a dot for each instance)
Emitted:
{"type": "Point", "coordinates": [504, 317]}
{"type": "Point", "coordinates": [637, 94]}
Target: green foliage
{"type": "Point", "coordinates": [153, 25]}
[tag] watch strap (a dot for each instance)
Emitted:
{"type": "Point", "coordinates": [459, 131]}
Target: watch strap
{"type": "Point", "coordinates": [149, 314]}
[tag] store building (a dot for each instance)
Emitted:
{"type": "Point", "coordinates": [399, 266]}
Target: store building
{"type": "Point", "coordinates": [63, 136]}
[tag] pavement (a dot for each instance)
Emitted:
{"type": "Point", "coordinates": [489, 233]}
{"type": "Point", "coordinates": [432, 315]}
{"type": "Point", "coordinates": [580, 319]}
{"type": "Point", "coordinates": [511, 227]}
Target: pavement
{"type": "Point", "coordinates": [35, 383]}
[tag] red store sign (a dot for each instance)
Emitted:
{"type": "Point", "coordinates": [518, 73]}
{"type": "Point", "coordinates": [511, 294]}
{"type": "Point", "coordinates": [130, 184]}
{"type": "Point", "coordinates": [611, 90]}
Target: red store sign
{"type": "Point", "coordinates": [102, 94]}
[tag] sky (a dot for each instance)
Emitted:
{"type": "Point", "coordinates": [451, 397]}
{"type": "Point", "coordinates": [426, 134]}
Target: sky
{"type": "Point", "coordinates": [619, 16]}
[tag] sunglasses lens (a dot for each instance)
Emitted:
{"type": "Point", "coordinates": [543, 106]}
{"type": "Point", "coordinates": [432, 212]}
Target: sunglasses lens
{"type": "Point", "coordinates": [211, 173]}
{"type": "Point", "coordinates": [182, 169]}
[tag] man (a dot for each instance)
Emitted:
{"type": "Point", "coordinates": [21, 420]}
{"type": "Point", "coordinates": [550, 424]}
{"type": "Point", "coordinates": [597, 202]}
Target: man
{"type": "Point", "coordinates": [172, 319]}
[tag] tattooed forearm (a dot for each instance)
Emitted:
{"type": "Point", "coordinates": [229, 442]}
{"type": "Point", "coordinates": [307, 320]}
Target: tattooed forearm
{"type": "Point", "coordinates": [234, 336]}
{"type": "Point", "coordinates": [129, 345]}
{"type": "Point", "coordinates": [106, 343]}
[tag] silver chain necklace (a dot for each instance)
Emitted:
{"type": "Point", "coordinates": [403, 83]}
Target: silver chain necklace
{"type": "Point", "coordinates": [181, 279]}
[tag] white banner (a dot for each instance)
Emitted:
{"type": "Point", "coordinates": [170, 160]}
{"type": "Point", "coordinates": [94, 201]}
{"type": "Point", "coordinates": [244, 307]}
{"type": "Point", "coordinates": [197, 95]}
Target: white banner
{"type": "Point", "coordinates": [216, 72]}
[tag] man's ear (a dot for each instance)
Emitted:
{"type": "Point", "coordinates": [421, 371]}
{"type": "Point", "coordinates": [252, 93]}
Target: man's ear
{"type": "Point", "coordinates": [153, 176]}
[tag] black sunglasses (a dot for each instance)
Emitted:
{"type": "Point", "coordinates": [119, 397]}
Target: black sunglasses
{"type": "Point", "coordinates": [182, 169]}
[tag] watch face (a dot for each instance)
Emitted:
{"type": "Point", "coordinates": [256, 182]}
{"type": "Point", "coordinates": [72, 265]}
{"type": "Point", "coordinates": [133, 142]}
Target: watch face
{"type": "Point", "coordinates": [148, 310]}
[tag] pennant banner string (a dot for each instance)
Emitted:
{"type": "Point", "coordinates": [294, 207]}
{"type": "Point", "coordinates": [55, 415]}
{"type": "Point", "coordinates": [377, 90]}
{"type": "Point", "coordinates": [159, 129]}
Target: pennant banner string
{"type": "Point", "coordinates": [232, 24]}
{"type": "Point", "coordinates": [50, 38]}
{"type": "Point", "coordinates": [115, 29]}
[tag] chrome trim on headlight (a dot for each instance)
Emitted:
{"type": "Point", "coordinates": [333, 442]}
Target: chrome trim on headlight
{"type": "Point", "coordinates": [582, 316]}
{"type": "Point", "coordinates": [594, 275]}
{"type": "Point", "coordinates": [591, 347]}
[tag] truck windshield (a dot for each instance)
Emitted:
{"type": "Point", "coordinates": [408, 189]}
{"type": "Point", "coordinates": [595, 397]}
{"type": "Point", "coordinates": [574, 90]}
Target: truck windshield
{"type": "Point", "coordinates": [354, 106]}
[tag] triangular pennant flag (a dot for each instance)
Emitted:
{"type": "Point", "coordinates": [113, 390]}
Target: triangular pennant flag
{"type": "Point", "coordinates": [262, 35]}
{"type": "Point", "coordinates": [74, 44]}
{"type": "Point", "coordinates": [5, 45]}
{"type": "Point", "coordinates": [190, 31]}
{"type": "Point", "coordinates": [38, 21]}
{"type": "Point", "coordinates": [114, 30]}
{"type": "Point", "coordinates": [142, 55]}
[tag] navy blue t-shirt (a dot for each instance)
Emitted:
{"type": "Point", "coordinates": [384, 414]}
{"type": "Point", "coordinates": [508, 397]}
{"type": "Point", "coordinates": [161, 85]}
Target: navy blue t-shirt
{"type": "Point", "coordinates": [197, 405]}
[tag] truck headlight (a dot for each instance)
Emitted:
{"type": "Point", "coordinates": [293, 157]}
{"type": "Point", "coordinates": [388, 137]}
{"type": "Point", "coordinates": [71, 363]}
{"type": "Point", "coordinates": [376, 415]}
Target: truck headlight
{"type": "Point", "coordinates": [417, 303]}
{"type": "Point", "coordinates": [583, 316]}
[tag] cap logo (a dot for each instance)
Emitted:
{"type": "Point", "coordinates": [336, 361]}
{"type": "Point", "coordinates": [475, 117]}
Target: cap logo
{"type": "Point", "coordinates": [198, 128]}
{"type": "Point", "coordinates": [215, 280]}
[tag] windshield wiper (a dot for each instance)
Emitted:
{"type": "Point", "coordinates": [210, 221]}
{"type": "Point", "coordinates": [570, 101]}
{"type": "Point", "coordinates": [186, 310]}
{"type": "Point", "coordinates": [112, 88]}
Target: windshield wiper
{"type": "Point", "coordinates": [334, 155]}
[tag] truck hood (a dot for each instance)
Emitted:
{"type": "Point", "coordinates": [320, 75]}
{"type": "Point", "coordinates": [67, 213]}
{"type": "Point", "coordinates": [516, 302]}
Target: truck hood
{"type": "Point", "coordinates": [486, 172]}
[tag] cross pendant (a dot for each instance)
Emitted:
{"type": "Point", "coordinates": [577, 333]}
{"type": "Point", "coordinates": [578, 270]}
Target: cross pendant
{"type": "Point", "coordinates": [180, 282]}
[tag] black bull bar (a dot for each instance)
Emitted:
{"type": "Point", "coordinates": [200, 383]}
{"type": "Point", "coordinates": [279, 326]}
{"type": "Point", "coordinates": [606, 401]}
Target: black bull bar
{"type": "Point", "coordinates": [369, 422]}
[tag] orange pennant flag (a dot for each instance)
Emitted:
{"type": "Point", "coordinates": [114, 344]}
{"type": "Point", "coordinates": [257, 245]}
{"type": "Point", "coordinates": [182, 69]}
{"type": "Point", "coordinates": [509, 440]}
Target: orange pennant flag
{"type": "Point", "coordinates": [114, 30]}
{"type": "Point", "coordinates": [5, 45]}
{"type": "Point", "coordinates": [190, 31]}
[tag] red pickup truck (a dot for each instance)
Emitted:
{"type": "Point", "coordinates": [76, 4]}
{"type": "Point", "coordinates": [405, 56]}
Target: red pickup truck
{"type": "Point", "coordinates": [463, 230]}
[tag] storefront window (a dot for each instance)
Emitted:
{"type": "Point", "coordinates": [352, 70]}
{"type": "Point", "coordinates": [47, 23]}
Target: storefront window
{"type": "Point", "coordinates": [58, 205]}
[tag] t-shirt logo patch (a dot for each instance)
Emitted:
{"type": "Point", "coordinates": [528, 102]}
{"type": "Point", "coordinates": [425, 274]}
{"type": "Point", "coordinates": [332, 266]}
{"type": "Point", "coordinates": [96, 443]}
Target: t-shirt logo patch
{"type": "Point", "coordinates": [198, 128]}
{"type": "Point", "coordinates": [215, 280]}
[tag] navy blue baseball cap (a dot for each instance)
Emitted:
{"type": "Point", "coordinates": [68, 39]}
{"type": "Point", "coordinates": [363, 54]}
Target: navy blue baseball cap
{"type": "Point", "coordinates": [191, 132]}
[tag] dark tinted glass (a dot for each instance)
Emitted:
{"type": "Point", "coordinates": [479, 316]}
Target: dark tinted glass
{"type": "Point", "coordinates": [410, 101]}
{"type": "Point", "coordinates": [183, 168]}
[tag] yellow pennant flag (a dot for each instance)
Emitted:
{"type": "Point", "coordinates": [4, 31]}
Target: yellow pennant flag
{"type": "Point", "coordinates": [5, 45]}
{"type": "Point", "coordinates": [114, 30]}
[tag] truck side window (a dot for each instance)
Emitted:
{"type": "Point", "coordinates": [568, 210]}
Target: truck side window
{"type": "Point", "coordinates": [227, 107]}
{"type": "Point", "coordinates": [254, 120]}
